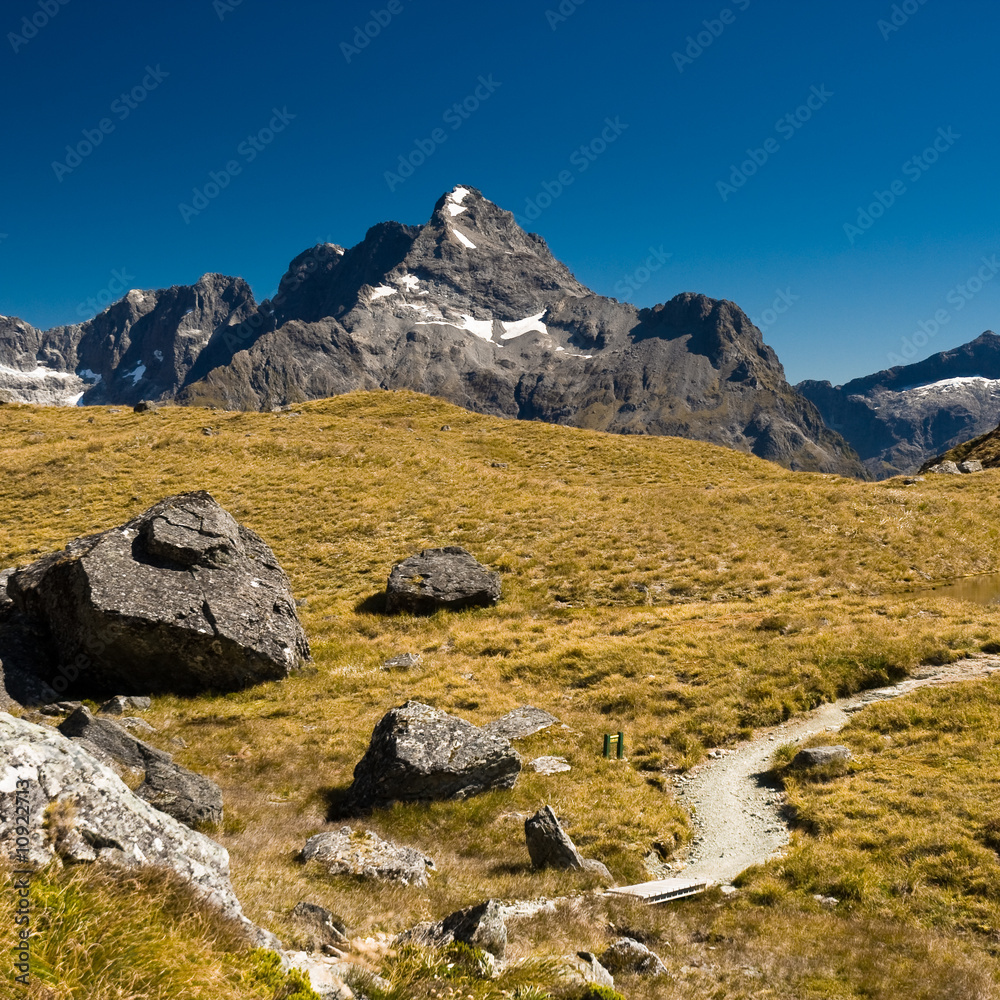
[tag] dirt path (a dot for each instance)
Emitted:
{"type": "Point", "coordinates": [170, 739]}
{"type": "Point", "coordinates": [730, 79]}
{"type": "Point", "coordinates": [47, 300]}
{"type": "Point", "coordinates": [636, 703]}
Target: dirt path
{"type": "Point", "coordinates": [737, 815]}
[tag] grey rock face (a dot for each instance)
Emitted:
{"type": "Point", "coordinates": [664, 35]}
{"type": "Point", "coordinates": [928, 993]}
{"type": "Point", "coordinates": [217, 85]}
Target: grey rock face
{"type": "Point", "coordinates": [946, 469]}
{"type": "Point", "coordinates": [418, 753]}
{"type": "Point", "coordinates": [630, 956]}
{"type": "Point", "coordinates": [448, 578]}
{"type": "Point", "coordinates": [818, 756]}
{"type": "Point", "coordinates": [181, 598]}
{"type": "Point", "coordinates": [100, 819]}
{"type": "Point", "coordinates": [899, 419]}
{"type": "Point", "coordinates": [112, 739]}
{"type": "Point", "coordinates": [970, 467]}
{"type": "Point", "coordinates": [482, 926]}
{"type": "Point", "coordinates": [367, 856]}
{"type": "Point", "coordinates": [524, 721]}
{"type": "Point", "coordinates": [192, 799]}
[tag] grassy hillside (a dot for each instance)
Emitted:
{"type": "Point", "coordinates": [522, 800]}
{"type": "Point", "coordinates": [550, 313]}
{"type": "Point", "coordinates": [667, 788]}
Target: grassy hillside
{"type": "Point", "coordinates": [985, 448]}
{"type": "Point", "coordinates": [682, 592]}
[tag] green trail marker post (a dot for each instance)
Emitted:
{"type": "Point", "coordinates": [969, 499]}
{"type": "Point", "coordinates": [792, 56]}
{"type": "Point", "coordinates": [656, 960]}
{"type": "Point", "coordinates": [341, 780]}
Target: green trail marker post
{"type": "Point", "coordinates": [618, 741]}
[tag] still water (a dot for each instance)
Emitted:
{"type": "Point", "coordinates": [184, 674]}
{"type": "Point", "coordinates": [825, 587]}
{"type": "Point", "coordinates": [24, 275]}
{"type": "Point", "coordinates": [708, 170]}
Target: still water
{"type": "Point", "coordinates": [980, 589]}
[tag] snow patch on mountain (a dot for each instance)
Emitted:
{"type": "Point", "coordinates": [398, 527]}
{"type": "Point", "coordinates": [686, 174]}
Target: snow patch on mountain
{"type": "Point", "coordinates": [533, 324]}
{"type": "Point", "coordinates": [960, 382]}
{"type": "Point", "coordinates": [463, 239]}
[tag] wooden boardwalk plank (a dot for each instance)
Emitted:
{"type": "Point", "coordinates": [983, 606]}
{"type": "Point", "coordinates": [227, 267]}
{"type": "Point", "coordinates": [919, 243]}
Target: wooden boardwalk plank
{"type": "Point", "coordinates": [662, 890]}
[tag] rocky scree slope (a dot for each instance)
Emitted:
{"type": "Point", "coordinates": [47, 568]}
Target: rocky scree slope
{"type": "Point", "coordinates": [899, 418]}
{"type": "Point", "coordinates": [469, 308]}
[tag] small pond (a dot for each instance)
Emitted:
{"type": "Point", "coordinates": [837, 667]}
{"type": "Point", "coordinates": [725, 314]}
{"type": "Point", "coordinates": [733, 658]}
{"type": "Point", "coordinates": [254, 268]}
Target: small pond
{"type": "Point", "coordinates": [980, 589]}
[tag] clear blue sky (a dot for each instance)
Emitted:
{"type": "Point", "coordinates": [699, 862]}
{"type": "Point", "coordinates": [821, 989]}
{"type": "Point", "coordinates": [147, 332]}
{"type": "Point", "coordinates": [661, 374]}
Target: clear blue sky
{"type": "Point", "coordinates": [218, 74]}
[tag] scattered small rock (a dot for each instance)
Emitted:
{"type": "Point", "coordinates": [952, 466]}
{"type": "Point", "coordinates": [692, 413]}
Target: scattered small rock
{"type": "Point", "coordinates": [913, 480]}
{"type": "Point", "coordinates": [946, 469]}
{"type": "Point", "coordinates": [122, 703]}
{"type": "Point", "coordinates": [828, 901]}
{"type": "Point", "coordinates": [549, 765]}
{"type": "Point", "coordinates": [630, 956]}
{"type": "Point", "coordinates": [145, 406]}
{"type": "Point", "coordinates": [345, 852]}
{"type": "Point", "coordinates": [405, 661]}
{"type": "Point", "coordinates": [481, 926]}
{"type": "Point", "coordinates": [60, 707]}
{"type": "Point", "coordinates": [587, 966]}
{"type": "Point", "coordinates": [818, 756]}
{"type": "Point", "coordinates": [325, 927]}
{"type": "Point", "coordinates": [208, 432]}
{"type": "Point", "coordinates": [550, 846]}
{"type": "Point", "coordinates": [446, 427]}
{"type": "Point", "coordinates": [499, 465]}
{"type": "Point", "coordinates": [136, 725]}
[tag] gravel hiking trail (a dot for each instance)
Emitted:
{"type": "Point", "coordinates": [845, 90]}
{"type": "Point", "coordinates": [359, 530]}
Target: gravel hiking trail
{"type": "Point", "coordinates": [737, 811]}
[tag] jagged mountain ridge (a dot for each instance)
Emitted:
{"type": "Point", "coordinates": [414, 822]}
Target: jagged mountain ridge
{"type": "Point", "coordinates": [899, 418]}
{"type": "Point", "coordinates": [468, 307]}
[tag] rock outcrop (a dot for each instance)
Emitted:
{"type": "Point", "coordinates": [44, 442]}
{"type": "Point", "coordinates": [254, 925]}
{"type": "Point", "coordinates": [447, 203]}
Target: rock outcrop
{"type": "Point", "coordinates": [468, 307]}
{"type": "Point", "coordinates": [181, 598]}
{"type": "Point", "coordinates": [79, 811]}
{"type": "Point", "coordinates": [421, 753]}
{"type": "Point", "coordinates": [192, 799]}
{"type": "Point", "coordinates": [367, 856]}
{"type": "Point", "coordinates": [448, 579]}
{"type": "Point", "coordinates": [107, 737]}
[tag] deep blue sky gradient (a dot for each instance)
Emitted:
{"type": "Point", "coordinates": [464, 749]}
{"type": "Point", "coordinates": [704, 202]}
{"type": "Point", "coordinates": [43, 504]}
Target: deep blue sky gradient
{"type": "Point", "coordinates": [656, 186]}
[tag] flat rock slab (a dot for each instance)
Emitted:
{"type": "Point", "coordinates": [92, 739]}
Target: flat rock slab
{"type": "Point", "coordinates": [521, 722]}
{"type": "Point", "coordinates": [441, 579]}
{"type": "Point", "coordinates": [549, 765]}
{"type": "Point", "coordinates": [182, 598]}
{"type": "Point", "coordinates": [346, 852]}
{"type": "Point", "coordinates": [421, 753]}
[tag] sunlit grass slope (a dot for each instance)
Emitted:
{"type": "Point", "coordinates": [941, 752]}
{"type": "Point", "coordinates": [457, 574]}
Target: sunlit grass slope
{"type": "Point", "coordinates": [681, 592]}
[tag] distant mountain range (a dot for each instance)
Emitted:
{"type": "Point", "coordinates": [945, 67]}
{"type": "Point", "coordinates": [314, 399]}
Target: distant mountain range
{"type": "Point", "coordinates": [468, 307]}
{"type": "Point", "coordinates": [898, 419]}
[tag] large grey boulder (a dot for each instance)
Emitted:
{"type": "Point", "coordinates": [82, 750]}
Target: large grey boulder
{"type": "Point", "coordinates": [946, 469]}
{"type": "Point", "coordinates": [190, 798]}
{"type": "Point", "coordinates": [182, 598]}
{"type": "Point", "coordinates": [344, 852]}
{"type": "Point", "coordinates": [551, 847]}
{"type": "Point", "coordinates": [481, 926]}
{"type": "Point", "coordinates": [79, 811]}
{"type": "Point", "coordinates": [420, 753]}
{"type": "Point", "coordinates": [970, 466]}
{"type": "Point", "coordinates": [448, 578]}
{"type": "Point", "coordinates": [630, 956]}
{"type": "Point", "coordinates": [819, 756]}
{"type": "Point", "coordinates": [586, 968]}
